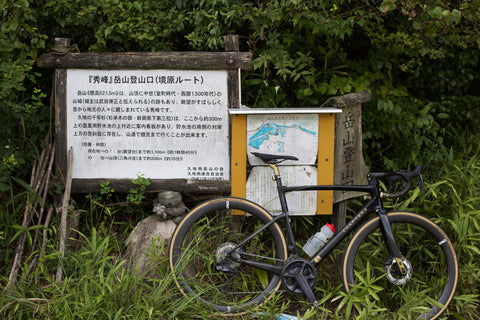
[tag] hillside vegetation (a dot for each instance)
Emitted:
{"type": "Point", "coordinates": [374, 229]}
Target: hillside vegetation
{"type": "Point", "coordinates": [418, 59]}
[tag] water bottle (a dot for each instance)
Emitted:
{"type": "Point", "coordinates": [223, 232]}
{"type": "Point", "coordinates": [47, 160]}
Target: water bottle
{"type": "Point", "coordinates": [318, 240]}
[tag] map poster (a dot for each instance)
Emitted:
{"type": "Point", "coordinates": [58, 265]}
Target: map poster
{"type": "Point", "coordinates": [163, 124]}
{"type": "Point", "coordinates": [286, 134]}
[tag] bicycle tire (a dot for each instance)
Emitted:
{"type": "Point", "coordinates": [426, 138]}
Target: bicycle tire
{"type": "Point", "coordinates": [198, 246]}
{"type": "Point", "coordinates": [430, 260]}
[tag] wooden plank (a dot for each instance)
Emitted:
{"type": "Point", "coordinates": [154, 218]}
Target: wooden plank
{"type": "Point", "coordinates": [60, 123]}
{"type": "Point", "coordinates": [238, 169]}
{"type": "Point", "coordinates": [233, 75]}
{"type": "Point", "coordinates": [63, 220]}
{"type": "Point", "coordinates": [349, 99]}
{"type": "Point", "coordinates": [326, 147]}
{"type": "Point", "coordinates": [258, 111]}
{"type": "Point", "coordinates": [350, 168]}
{"type": "Point", "coordinates": [191, 60]}
{"type": "Point", "coordinates": [156, 185]}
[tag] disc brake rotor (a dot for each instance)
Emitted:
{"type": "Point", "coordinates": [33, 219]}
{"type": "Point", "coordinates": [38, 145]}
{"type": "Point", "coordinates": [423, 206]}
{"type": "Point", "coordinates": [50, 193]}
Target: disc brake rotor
{"type": "Point", "coordinates": [394, 275]}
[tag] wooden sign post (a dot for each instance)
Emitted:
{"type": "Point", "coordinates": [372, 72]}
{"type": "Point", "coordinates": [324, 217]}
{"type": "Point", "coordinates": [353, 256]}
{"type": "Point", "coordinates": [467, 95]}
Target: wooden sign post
{"type": "Point", "coordinates": [156, 114]}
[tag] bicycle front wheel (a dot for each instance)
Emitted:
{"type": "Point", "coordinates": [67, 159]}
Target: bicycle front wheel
{"type": "Point", "coordinates": [205, 259]}
{"type": "Point", "coordinates": [427, 284]}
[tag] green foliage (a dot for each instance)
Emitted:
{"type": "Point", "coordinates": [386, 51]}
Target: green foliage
{"type": "Point", "coordinates": [427, 56]}
{"type": "Point", "coordinates": [137, 194]}
{"type": "Point", "coordinates": [454, 201]}
{"type": "Point", "coordinates": [106, 190]}
{"type": "Point", "coordinates": [418, 59]}
{"type": "Point", "coordinates": [23, 125]}
{"type": "Point", "coordinates": [451, 199]}
{"type": "Point", "coordinates": [365, 294]}
{"type": "Point", "coordinates": [98, 286]}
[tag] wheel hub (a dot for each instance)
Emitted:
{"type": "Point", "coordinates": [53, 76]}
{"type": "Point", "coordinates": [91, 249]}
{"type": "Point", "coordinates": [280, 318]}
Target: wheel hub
{"type": "Point", "coordinates": [226, 255]}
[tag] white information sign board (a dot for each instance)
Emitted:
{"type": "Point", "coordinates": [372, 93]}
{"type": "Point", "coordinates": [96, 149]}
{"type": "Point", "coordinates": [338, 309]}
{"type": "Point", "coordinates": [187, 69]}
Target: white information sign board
{"type": "Point", "coordinates": [163, 124]}
{"type": "Point", "coordinates": [285, 134]}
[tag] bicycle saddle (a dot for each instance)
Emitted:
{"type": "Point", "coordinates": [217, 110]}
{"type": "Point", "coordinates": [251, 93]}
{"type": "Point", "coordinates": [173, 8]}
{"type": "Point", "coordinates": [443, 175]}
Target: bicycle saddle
{"type": "Point", "coordinates": [273, 158]}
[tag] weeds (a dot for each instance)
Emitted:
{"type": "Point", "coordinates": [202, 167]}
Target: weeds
{"type": "Point", "coordinates": [137, 194]}
{"type": "Point", "coordinates": [98, 285]}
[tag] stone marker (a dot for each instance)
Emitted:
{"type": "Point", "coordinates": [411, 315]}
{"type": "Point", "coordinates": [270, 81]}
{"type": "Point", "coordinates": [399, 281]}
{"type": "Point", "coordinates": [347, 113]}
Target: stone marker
{"type": "Point", "coordinates": [154, 231]}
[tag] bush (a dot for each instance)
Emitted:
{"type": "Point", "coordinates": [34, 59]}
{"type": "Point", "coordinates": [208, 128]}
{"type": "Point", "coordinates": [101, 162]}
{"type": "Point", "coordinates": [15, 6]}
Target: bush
{"type": "Point", "coordinates": [419, 61]}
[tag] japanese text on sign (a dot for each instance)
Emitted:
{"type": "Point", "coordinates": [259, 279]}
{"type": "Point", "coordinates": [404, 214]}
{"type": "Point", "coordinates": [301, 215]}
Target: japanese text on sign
{"type": "Point", "coordinates": [163, 124]}
{"type": "Point", "coordinates": [348, 148]}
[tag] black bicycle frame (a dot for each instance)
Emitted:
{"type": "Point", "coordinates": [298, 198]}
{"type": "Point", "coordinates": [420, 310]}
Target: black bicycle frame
{"type": "Point", "coordinates": [375, 204]}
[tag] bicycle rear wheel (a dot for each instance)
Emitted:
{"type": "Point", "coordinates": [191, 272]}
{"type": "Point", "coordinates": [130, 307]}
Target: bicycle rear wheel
{"type": "Point", "coordinates": [425, 289]}
{"type": "Point", "coordinates": [204, 265]}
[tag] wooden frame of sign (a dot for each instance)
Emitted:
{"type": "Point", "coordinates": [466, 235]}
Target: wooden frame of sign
{"type": "Point", "coordinates": [307, 133]}
{"type": "Point", "coordinates": [159, 69]}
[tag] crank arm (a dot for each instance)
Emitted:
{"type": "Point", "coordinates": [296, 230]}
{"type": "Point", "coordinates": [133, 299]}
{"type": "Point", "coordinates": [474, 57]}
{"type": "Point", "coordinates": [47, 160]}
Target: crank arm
{"type": "Point", "coordinates": [307, 290]}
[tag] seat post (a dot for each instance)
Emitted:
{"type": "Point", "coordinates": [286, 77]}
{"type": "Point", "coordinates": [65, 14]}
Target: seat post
{"type": "Point", "coordinates": [292, 249]}
{"type": "Point", "coordinates": [274, 166]}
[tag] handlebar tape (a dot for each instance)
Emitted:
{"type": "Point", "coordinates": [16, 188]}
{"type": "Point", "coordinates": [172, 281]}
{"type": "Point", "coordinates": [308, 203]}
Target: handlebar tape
{"type": "Point", "coordinates": [407, 178]}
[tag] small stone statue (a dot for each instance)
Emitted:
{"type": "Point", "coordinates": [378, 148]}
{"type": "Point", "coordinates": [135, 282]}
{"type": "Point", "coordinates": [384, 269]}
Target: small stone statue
{"type": "Point", "coordinates": [169, 205]}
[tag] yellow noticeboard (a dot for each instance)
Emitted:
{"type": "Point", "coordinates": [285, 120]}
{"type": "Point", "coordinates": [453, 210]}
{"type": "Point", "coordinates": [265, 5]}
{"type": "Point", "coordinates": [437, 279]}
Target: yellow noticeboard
{"type": "Point", "coordinates": [317, 137]}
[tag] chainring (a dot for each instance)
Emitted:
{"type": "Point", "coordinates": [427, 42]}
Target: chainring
{"type": "Point", "coordinates": [298, 268]}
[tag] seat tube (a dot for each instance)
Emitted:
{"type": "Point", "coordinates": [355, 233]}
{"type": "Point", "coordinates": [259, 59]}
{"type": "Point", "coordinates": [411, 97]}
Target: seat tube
{"type": "Point", "coordinates": [281, 192]}
{"type": "Point", "coordinates": [292, 249]}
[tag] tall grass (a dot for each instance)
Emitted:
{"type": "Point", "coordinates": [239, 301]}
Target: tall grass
{"type": "Point", "coordinates": [452, 199]}
{"type": "Point", "coordinates": [97, 284]}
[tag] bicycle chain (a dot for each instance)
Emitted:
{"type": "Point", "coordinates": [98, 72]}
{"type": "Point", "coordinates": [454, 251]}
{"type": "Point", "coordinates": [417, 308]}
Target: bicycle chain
{"type": "Point", "coordinates": [263, 257]}
{"type": "Point", "coordinates": [256, 292]}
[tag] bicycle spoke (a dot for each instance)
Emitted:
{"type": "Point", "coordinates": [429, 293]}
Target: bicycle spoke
{"type": "Point", "coordinates": [429, 281]}
{"type": "Point", "coordinates": [209, 257]}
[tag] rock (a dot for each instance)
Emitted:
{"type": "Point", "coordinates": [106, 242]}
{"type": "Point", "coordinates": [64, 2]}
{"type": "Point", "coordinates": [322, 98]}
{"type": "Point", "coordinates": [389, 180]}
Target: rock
{"type": "Point", "coordinates": [154, 233]}
{"type": "Point", "coordinates": [179, 210]}
{"type": "Point", "coordinates": [170, 199]}
{"type": "Point", "coordinates": [150, 233]}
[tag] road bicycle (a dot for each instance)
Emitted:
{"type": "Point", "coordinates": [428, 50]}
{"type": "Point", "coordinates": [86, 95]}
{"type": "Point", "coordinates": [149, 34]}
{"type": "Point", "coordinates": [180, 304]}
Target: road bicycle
{"type": "Point", "coordinates": [233, 255]}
